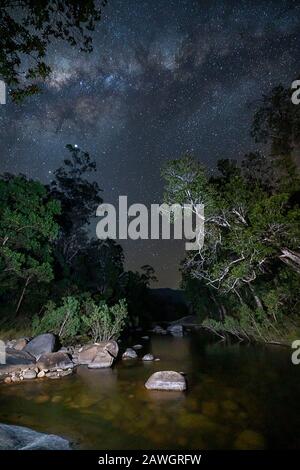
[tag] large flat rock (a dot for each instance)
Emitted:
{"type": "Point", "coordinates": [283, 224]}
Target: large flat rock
{"type": "Point", "coordinates": [21, 438]}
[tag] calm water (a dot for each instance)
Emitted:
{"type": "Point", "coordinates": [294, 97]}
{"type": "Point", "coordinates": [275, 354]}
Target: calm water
{"type": "Point", "coordinates": [239, 397]}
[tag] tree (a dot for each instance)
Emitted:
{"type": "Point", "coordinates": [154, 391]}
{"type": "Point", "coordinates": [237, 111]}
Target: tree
{"type": "Point", "coordinates": [26, 29]}
{"type": "Point", "coordinates": [79, 199]}
{"type": "Point", "coordinates": [27, 228]}
{"type": "Point", "coordinates": [247, 227]}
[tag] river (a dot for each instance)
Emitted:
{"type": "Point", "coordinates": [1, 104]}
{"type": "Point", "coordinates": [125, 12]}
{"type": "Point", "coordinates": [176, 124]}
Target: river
{"type": "Point", "coordinates": [239, 396]}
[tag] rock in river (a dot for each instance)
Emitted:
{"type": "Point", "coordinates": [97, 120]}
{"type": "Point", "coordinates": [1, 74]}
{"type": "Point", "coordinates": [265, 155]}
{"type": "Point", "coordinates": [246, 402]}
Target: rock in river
{"type": "Point", "coordinates": [148, 357]}
{"type": "Point", "coordinates": [175, 330]}
{"type": "Point", "coordinates": [129, 354]}
{"type": "Point", "coordinates": [41, 344]}
{"type": "Point", "coordinates": [166, 380]}
{"type": "Point", "coordinates": [56, 360]}
{"type": "Point", "coordinates": [102, 360]}
{"type": "Point", "coordinates": [98, 353]}
{"type": "Point", "coordinates": [20, 438]}
{"type": "Point", "coordinates": [29, 374]}
{"type": "Point", "coordinates": [16, 360]}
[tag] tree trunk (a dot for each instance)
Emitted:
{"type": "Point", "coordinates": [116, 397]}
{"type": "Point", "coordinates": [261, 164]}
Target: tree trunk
{"type": "Point", "coordinates": [291, 258]}
{"type": "Point", "coordinates": [258, 302]}
{"type": "Point", "coordinates": [22, 294]}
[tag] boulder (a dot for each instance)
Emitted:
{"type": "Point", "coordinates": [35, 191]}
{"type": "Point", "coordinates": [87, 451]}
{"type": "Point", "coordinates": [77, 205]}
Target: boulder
{"type": "Point", "coordinates": [148, 357]}
{"type": "Point", "coordinates": [166, 380]}
{"type": "Point", "coordinates": [18, 344]}
{"type": "Point", "coordinates": [55, 360]}
{"type": "Point", "coordinates": [15, 361]}
{"type": "Point", "coordinates": [101, 360]}
{"type": "Point", "coordinates": [175, 330]}
{"type": "Point", "coordinates": [88, 353]}
{"type": "Point", "coordinates": [21, 438]}
{"type": "Point", "coordinates": [129, 354]}
{"type": "Point", "coordinates": [41, 344]}
{"type": "Point", "coordinates": [29, 374]}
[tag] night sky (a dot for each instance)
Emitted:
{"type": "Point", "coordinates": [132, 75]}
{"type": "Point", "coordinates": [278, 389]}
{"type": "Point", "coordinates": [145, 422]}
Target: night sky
{"type": "Point", "coordinates": [165, 77]}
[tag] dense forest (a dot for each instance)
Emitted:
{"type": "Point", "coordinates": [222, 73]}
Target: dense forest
{"type": "Point", "coordinates": [245, 281]}
{"type": "Point", "coordinates": [47, 252]}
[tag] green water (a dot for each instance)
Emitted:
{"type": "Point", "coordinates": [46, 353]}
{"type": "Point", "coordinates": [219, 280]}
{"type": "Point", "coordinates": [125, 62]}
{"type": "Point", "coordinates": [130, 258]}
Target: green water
{"type": "Point", "coordinates": [238, 396]}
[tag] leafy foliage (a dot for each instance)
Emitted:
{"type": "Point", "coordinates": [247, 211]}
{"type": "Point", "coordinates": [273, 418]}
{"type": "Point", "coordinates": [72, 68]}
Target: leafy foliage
{"type": "Point", "coordinates": [27, 229]}
{"type": "Point", "coordinates": [64, 321]}
{"type": "Point", "coordinates": [250, 228]}
{"type": "Point", "coordinates": [102, 322]}
{"type": "Point", "coordinates": [80, 315]}
{"type": "Point", "coordinates": [26, 29]}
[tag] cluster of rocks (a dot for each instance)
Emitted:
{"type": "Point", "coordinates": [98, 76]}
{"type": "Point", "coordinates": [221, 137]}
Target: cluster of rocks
{"type": "Point", "coordinates": [174, 329]}
{"type": "Point", "coordinates": [130, 353]}
{"type": "Point", "coordinates": [42, 357]}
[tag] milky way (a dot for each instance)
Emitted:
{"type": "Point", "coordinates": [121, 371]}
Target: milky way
{"type": "Point", "coordinates": [164, 78]}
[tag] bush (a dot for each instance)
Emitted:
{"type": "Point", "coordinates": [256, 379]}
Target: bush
{"type": "Point", "coordinates": [77, 317]}
{"type": "Point", "coordinates": [63, 321]}
{"type": "Point", "coordinates": [102, 322]}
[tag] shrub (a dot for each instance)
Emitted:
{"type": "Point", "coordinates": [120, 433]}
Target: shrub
{"type": "Point", "coordinates": [77, 317]}
{"type": "Point", "coordinates": [102, 322]}
{"type": "Point", "coordinates": [63, 321]}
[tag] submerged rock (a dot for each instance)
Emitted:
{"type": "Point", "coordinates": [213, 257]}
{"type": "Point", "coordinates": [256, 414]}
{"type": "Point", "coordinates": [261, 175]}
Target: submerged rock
{"type": "Point", "coordinates": [21, 438]}
{"type": "Point", "coordinates": [56, 360]}
{"type": "Point", "coordinates": [137, 346]}
{"type": "Point", "coordinates": [129, 354]}
{"type": "Point", "coordinates": [41, 344]}
{"type": "Point", "coordinates": [166, 380]}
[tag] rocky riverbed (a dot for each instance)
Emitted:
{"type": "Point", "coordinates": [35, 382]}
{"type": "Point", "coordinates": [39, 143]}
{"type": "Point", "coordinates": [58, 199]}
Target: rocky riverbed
{"type": "Point", "coordinates": [42, 357]}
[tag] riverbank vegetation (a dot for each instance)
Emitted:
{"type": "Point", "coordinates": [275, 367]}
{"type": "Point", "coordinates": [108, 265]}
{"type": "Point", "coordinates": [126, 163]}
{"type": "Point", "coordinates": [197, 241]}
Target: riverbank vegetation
{"type": "Point", "coordinates": [245, 281]}
{"type": "Point", "coordinates": [53, 275]}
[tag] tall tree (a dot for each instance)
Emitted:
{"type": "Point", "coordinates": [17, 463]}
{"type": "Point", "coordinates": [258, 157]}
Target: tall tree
{"type": "Point", "coordinates": [27, 228]}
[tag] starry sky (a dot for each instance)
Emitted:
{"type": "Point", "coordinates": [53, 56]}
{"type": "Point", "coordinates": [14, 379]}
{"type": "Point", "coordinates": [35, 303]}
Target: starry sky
{"type": "Point", "coordinates": [165, 77]}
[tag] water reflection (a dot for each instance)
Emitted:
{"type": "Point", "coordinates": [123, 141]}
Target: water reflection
{"type": "Point", "coordinates": [239, 396]}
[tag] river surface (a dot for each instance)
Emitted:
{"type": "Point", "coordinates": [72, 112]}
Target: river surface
{"type": "Point", "coordinates": [239, 396]}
